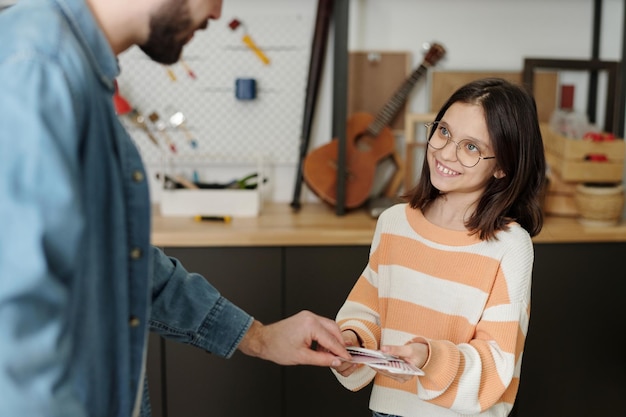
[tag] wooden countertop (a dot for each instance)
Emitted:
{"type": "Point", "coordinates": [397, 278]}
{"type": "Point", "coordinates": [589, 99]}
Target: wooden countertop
{"type": "Point", "coordinates": [318, 225]}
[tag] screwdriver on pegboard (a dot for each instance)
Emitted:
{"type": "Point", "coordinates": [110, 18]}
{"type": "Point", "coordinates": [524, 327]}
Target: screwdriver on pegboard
{"type": "Point", "coordinates": [247, 40]}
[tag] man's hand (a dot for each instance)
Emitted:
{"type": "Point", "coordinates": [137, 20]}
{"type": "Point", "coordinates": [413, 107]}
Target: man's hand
{"type": "Point", "coordinates": [289, 341]}
{"type": "Point", "coordinates": [349, 339]}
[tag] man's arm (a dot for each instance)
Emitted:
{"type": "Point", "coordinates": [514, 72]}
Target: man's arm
{"type": "Point", "coordinates": [186, 308]}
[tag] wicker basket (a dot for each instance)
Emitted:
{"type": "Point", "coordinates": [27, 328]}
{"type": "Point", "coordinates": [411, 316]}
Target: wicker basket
{"type": "Point", "coordinates": [599, 205]}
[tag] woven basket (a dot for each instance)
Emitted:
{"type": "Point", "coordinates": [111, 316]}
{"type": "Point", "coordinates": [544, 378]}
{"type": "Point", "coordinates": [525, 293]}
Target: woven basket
{"type": "Point", "coordinates": [599, 205]}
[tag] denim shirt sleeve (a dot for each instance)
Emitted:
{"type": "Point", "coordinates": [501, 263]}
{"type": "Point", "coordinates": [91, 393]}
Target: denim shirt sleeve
{"type": "Point", "coordinates": [40, 232]}
{"type": "Point", "coordinates": [186, 308]}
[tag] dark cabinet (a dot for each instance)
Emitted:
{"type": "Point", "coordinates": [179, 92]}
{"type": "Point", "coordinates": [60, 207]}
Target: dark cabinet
{"type": "Point", "coordinates": [319, 279]}
{"type": "Point", "coordinates": [154, 374]}
{"type": "Point", "coordinates": [198, 384]}
{"type": "Point", "coordinates": [270, 283]}
{"type": "Point", "coordinates": [574, 362]}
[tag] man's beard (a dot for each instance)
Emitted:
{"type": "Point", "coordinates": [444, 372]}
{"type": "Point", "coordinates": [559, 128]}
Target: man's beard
{"type": "Point", "coordinates": [167, 28]}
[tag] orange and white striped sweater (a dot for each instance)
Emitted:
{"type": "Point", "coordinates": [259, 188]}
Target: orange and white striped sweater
{"type": "Point", "coordinates": [468, 299]}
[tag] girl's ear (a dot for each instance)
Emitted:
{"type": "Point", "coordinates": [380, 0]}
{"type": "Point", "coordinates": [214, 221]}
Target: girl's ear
{"type": "Point", "coordinates": [499, 174]}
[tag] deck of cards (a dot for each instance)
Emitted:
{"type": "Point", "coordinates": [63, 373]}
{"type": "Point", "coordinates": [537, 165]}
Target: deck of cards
{"type": "Point", "coordinates": [381, 361]}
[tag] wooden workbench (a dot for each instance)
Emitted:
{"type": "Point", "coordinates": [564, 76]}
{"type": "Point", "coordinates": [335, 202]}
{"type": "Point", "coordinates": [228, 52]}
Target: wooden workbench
{"type": "Point", "coordinates": [318, 225]}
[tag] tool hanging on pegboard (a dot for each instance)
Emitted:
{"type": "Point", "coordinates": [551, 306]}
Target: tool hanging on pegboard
{"type": "Point", "coordinates": [247, 40]}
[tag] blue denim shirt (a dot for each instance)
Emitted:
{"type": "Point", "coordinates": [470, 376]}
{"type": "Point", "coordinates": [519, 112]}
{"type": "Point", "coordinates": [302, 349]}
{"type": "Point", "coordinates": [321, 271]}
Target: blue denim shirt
{"type": "Point", "coordinates": [80, 284]}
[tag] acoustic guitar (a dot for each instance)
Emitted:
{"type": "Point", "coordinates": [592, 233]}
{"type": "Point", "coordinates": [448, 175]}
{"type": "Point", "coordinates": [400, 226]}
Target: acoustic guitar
{"type": "Point", "coordinates": [368, 141]}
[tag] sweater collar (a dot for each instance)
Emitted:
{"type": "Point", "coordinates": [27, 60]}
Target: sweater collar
{"type": "Point", "coordinates": [438, 234]}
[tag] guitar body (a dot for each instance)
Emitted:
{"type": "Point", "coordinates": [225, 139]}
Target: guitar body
{"type": "Point", "coordinates": [368, 141]}
{"type": "Point", "coordinates": [363, 153]}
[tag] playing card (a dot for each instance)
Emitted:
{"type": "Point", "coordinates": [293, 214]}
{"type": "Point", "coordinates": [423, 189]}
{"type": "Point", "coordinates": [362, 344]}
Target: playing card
{"type": "Point", "coordinates": [379, 360]}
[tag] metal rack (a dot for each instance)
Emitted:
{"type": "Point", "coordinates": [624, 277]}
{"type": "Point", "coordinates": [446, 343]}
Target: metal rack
{"type": "Point", "coordinates": [616, 70]}
{"type": "Point", "coordinates": [340, 95]}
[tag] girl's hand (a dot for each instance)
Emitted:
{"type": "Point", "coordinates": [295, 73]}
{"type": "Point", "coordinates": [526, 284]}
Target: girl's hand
{"type": "Point", "coordinates": [414, 353]}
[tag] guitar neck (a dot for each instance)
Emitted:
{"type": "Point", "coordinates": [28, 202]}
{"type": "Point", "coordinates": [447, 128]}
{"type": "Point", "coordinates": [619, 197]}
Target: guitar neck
{"type": "Point", "coordinates": [390, 110]}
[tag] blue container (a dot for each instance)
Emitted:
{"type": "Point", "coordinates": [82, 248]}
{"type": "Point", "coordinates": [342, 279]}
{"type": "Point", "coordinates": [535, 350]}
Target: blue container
{"type": "Point", "coordinates": [245, 88]}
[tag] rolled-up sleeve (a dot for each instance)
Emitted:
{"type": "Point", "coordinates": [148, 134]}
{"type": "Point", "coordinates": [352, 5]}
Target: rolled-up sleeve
{"type": "Point", "coordinates": [187, 309]}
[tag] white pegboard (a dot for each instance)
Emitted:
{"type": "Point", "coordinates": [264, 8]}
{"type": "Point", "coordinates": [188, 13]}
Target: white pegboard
{"type": "Point", "coordinates": [269, 125]}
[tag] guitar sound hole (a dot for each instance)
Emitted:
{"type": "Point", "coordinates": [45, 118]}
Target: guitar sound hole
{"type": "Point", "coordinates": [363, 142]}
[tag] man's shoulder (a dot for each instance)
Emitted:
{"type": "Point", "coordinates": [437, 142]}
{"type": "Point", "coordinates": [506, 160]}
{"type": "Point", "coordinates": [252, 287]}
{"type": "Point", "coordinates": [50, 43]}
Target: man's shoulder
{"type": "Point", "coordinates": [34, 31]}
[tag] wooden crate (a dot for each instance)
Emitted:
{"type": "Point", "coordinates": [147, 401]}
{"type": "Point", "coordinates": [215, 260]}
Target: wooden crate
{"type": "Point", "coordinates": [566, 157]}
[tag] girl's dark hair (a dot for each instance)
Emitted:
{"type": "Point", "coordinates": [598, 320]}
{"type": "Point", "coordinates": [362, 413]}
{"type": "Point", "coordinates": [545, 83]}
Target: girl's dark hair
{"type": "Point", "coordinates": [511, 116]}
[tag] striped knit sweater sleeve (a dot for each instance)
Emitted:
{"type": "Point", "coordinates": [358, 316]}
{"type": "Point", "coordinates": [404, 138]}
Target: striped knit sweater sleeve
{"type": "Point", "coordinates": [468, 299]}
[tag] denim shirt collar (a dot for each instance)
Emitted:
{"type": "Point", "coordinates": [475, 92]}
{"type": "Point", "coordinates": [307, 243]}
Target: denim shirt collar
{"type": "Point", "coordinates": [96, 46]}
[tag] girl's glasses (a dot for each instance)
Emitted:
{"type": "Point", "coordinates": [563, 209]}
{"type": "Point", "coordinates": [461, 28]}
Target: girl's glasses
{"type": "Point", "coordinates": [467, 151]}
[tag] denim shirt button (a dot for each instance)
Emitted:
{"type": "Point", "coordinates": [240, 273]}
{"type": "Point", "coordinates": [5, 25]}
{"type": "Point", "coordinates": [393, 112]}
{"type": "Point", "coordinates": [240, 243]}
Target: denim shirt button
{"type": "Point", "coordinates": [135, 253]}
{"type": "Point", "coordinates": [133, 321]}
{"type": "Point", "coordinates": [138, 176]}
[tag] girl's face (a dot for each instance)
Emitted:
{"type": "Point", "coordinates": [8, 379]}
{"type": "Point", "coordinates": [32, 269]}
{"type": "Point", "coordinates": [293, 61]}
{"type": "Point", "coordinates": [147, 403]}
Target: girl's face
{"type": "Point", "coordinates": [464, 124]}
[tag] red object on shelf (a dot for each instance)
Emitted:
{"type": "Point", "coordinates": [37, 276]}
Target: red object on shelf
{"type": "Point", "coordinates": [599, 136]}
{"type": "Point", "coordinates": [567, 97]}
{"type": "Point", "coordinates": [596, 157]}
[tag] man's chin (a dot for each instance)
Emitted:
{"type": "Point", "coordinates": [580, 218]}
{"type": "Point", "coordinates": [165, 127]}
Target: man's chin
{"type": "Point", "coordinates": [163, 56]}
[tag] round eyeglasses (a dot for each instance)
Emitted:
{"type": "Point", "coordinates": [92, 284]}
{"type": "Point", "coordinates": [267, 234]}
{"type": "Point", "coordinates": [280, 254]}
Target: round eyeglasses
{"type": "Point", "coordinates": [467, 151]}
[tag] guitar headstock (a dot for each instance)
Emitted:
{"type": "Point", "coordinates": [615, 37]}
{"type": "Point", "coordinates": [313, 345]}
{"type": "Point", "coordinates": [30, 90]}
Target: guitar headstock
{"type": "Point", "coordinates": [434, 54]}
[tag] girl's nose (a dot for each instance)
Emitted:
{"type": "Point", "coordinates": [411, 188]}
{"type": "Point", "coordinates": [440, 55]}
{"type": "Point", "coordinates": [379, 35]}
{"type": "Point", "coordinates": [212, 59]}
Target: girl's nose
{"type": "Point", "coordinates": [448, 152]}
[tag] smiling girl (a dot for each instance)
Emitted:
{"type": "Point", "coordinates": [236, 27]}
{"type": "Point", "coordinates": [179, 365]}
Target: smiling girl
{"type": "Point", "coordinates": [447, 285]}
